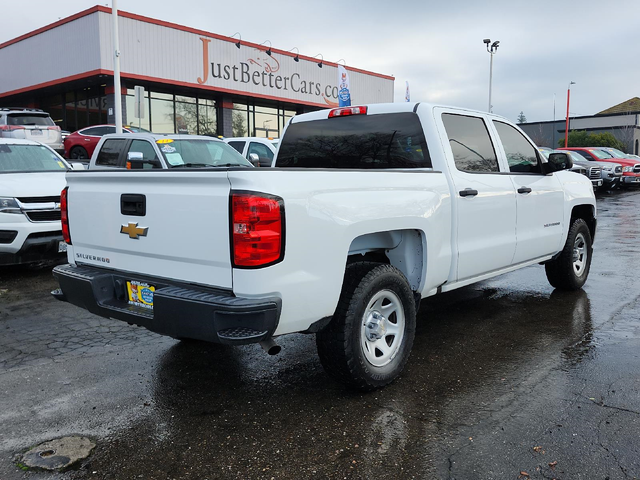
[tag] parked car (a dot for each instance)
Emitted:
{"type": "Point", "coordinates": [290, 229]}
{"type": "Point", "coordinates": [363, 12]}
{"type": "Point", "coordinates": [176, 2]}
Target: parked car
{"type": "Point", "coordinates": [630, 167]}
{"type": "Point", "coordinates": [611, 173]}
{"type": "Point", "coordinates": [593, 172]}
{"type": "Point", "coordinates": [32, 175]}
{"type": "Point", "coordinates": [149, 150]}
{"type": "Point", "coordinates": [265, 148]}
{"type": "Point", "coordinates": [371, 209]}
{"type": "Point", "coordinates": [81, 143]}
{"type": "Point", "coordinates": [30, 124]}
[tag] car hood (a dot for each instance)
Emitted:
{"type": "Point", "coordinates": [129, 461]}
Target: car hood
{"type": "Point", "coordinates": [590, 163]}
{"type": "Point", "coordinates": [45, 184]}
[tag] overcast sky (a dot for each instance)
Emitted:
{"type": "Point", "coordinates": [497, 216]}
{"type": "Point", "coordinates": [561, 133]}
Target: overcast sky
{"type": "Point", "coordinates": [435, 45]}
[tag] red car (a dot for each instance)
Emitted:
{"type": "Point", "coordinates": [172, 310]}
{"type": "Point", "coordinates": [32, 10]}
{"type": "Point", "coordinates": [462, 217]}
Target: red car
{"type": "Point", "coordinates": [630, 167]}
{"type": "Point", "coordinates": [81, 144]}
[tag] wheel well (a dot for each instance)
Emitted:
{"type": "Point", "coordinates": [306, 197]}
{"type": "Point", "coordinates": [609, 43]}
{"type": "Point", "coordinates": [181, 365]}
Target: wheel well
{"type": "Point", "coordinates": [404, 249]}
{"type": "Point", "coordinates": [586, 213]}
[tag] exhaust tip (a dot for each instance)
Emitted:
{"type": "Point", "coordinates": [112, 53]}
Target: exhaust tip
{"type": "Point", "coordinates": [271, 347]}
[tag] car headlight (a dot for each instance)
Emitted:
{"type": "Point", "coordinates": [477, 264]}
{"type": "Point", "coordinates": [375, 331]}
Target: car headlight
{"type": "Point", "coordinates": [608, 168]}
{"type": "Point", "coordinates": [9, 205]}
{"type": "Point", "coordinates": [627, 169]}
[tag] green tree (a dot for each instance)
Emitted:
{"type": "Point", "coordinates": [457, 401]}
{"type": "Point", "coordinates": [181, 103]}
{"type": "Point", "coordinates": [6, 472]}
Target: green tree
{"type": "Point", "coordinates": [582, 138]}
{"type": "Point", "coordinates": [238, 125]}
{"type": "Point", "coordinates": [522, 118]}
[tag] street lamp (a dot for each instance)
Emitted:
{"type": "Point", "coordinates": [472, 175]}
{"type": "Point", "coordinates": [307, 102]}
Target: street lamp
{"type": "Point", "coordinates": [491, 48]}
{"type": "Point", "coordinates": [566, 129]}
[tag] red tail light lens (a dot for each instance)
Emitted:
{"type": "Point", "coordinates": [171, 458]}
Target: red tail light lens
{"type": "Point", "coordinates": [343, 112]}
{"type": "Point", "coordinates": [56, 127]}
{"type": "Point", "coordinates": [9, 128]}
{"type": "Point", "coordinates": [64, 215]}
{"type": "Point", "coordinates": [257, 229]}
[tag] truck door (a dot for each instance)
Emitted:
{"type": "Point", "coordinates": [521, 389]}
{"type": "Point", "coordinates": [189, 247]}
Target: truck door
{"type": "Point", "coordinates": [539, 198]}
{"type": "Point", "coordinates": [484, 198]}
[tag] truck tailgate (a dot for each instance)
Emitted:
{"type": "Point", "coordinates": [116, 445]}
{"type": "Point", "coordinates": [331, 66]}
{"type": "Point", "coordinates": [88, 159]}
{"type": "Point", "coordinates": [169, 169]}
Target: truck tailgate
{"type": "Point", "coordinates": [183, 232]}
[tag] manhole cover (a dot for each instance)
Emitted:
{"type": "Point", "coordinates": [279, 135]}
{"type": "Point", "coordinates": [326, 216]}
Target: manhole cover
{"type": "Point", "coordinates": [59, 453]}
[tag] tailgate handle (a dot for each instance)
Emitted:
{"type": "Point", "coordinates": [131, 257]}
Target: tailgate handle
{"type": "Point", "coordinates": [133, 204]}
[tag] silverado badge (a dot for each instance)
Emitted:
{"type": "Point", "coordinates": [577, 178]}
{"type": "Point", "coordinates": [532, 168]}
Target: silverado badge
{"type": "Point", "coordinates": [134, 231]}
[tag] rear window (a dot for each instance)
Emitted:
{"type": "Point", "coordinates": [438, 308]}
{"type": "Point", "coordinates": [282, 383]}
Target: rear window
{"type": "Point", "coordinates": [110, 152]}
{"type": "Point", "coordinates": [239, 146]}
{"type": "Point", "coordinates": [29, 158]}
{"type": "Point", "coordinates": [393, 140]}
{"type": "Point", "coordinates": [29, 119]}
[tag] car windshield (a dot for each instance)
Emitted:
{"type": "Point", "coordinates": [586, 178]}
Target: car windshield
{"type": "Point", "coordinates": [615, 153]}
{"type": "Point", "coordinates": [186, 153]}
{"type": "Point", "coordinates": [600, 154]}
{"type": "Point", "coordinates": [575, 157]}
{"type": "Point", "coordinates": [29, 119]}
{"type": "Point", "coordinates": [29, 158]}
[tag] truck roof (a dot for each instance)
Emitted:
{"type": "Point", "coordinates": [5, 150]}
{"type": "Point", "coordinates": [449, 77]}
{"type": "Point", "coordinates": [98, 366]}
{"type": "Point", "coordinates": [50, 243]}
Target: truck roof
{"type": "Point", "coordinates": [380, 108]}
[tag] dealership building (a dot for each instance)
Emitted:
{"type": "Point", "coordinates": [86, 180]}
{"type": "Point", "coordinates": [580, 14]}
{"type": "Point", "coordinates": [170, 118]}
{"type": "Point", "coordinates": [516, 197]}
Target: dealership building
{"type": "Point", "coordinates": [195, 81]}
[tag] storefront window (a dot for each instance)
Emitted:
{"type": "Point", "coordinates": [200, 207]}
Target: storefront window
{"type": "Point", "coordinates": [162, 116]}
{"type": "Point", "coordinates": [240, 120]}
{"type": "Point", "coordinates": [207, 117]}
{"type": "Point", "coordinates": [266, 124]}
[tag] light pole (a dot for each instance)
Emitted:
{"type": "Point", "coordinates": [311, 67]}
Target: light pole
{"type": "Point", "coordinates": [116, 69]}
{"type": "Point", "coordinates": [566, 129]}
{"type": "Point", "coordinates": [492, 50]}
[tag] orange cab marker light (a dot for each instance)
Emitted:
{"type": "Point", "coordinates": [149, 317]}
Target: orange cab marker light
{"type": "Point", "coordinates": [343, 112]}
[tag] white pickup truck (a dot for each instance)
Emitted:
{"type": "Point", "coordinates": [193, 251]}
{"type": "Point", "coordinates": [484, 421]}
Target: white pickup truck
{"type": "Point", "coordinates": [368, 210]}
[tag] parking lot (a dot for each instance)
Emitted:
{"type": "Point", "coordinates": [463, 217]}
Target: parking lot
{"type": "Point", "coordinates": [507, 379]}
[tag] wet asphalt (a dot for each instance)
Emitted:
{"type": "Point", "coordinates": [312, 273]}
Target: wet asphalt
{"type": "Point", "coordinates": [508, 379]}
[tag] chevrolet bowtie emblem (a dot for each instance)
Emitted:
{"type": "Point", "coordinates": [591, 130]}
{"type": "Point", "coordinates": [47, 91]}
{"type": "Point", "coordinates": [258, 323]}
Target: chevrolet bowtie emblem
{"type": "Point", "coordinates": [134, 231]}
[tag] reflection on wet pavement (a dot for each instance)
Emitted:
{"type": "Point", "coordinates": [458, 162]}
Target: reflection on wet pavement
{"type": "Point", "coordinates": [506, 376]}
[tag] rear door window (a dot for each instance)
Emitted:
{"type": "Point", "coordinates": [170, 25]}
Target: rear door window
{"type": "Point", "coordinates": [521, 155]}
{"type": "Point", "coordinates": [470, 144]}
{"type": "Point", "coordinates": [393, 140]}
{"type": "Point", "coordinates": [109, 154]}
{"type": "Point", "coordinates": [239, 146]}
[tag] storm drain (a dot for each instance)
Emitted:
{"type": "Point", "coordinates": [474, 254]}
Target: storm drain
{"type": "Point", "coordinates": [58, 454]}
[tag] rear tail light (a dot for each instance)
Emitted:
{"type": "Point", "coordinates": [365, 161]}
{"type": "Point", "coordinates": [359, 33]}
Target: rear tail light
{"type": "Point", "coordinates": [343, 112]}
{"type": "Point", "coordinates": [8, 128]}
{"type": "Point", "coordinates": [257, 229]}
{"type": "Point", "coordinates": [56, 127]}
{"type": "Point", "coordinates": [64, 215]}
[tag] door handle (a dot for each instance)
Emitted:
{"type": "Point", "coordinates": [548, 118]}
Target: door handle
{"type": "Point", "coordinates": [524, 190]}
{"type": "Point", "coordinates": [468, 192]}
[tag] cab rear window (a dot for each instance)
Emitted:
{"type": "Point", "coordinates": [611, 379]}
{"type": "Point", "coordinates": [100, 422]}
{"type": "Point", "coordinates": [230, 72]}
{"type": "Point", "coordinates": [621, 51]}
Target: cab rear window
{"type": "Point", "coordinates": [394, 140]}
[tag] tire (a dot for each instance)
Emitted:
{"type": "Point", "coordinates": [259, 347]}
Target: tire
{"type": "Point", "coordinates": [78, 153]}
{"type": "Point", "coordinates": [352, 347]}
{"type": "Point", "coordinates": [567, 272]}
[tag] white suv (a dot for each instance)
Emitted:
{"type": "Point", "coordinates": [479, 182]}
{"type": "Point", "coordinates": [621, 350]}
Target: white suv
{"type": "Point", "coordinates": [30, 124]}
{"type": "Point", "coordinates": [32, 176]}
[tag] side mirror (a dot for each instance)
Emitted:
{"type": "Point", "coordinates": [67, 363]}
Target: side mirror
{"type": "Point", "coordinates": [254, 159]}
{"type": "Point", "coordinates": [136, 161]}
{"type": "Point", "coordinates": [77, 166]}
{"type": "Point", "coordinates": [557, 162]}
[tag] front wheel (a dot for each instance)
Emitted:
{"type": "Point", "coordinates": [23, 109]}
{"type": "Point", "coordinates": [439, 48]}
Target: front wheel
{"type": "Point", "coordinates": [367, 343]}
{"type": "Point", "coordinates": [569, 271]}
{"type": "Point", "coordinates": [78, 153]}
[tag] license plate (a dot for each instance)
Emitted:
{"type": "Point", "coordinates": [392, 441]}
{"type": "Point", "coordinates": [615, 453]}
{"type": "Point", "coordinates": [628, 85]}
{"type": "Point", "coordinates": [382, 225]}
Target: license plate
{"type": "Point", "coordinates": [36, 132]}
{"type": "Point", "coordinates": [62, 247]}
{"type": "Point", "coordinates": [140, 294]}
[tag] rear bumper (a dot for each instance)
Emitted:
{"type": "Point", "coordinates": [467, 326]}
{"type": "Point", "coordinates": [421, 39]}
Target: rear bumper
{"type": "Point", "coordinates": [179, 310]}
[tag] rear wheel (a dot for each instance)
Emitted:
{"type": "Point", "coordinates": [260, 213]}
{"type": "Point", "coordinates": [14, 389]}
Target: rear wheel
{"type": "Point", "coordinates": [368, 341]}
{"type": "Point", "coordinates": [78, 153]}
{"type": "Point", "coordinates": [569, 271]}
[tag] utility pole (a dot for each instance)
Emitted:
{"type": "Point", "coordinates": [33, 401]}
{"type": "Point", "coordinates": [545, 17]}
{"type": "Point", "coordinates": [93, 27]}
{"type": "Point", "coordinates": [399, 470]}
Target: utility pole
{"type": "Point", "coordinates": [116, 68]}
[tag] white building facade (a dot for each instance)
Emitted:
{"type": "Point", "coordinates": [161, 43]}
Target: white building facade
{"type": "Point", "coordinates": [195, 81]}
